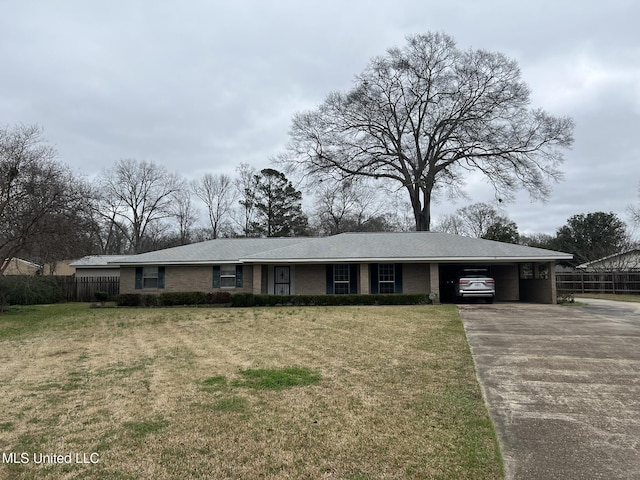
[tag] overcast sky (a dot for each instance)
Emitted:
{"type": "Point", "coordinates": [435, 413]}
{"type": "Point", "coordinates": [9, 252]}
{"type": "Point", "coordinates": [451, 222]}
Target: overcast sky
{"type": "Point", "coordinates": [203, 85]}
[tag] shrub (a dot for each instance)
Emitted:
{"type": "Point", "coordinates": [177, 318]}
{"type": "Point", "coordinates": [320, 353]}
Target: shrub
{"type": "Point", "coordinates": [218, 297]}
{"type": "Point", "coordinates": [30, 290]}
{"type": "Point", "coordinates": [102, 297]}
{"type": "Point", "coordinates": [170, 299]}
{"type": "Point", "coordinates": [250, 300]}
{"type": "Point", "coordinates": [149, 300]}
{"type": "Point", "coordinates": [128, 300]}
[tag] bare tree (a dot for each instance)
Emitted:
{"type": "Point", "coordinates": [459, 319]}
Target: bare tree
{"type": "Point", "coordinates": [246, 185]}
{"type": "Point", "coordinates": [38, 196]}
{"type": "Point", "coordinates": [349, 206]}
{"type": "Point", "coordinates": [218, 194]}
{"type": "Point", "coordinates": [476, 219]}
{"type": "Point", "coordinates": [137, 194]}
{"type": "Point", "coordinates": [422, 116]}
{"type": "Point", "coordinates": [450, 223]}
{"type": "Point", "coordinates": [634, 212]}
{"type": "Point", "coordinates": [479, 220]}
{"type": "Point", "coordinates": [182, 210]}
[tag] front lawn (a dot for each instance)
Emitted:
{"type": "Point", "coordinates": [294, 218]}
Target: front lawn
{"type": "Point", "coordinates": [291, 392]}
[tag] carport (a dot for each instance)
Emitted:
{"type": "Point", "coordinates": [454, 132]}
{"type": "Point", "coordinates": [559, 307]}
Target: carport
{"type": "Point", "coordinates": [527, 281]}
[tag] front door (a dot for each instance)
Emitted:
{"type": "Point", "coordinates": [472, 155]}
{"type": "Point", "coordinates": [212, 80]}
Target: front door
{"type": "Point", "coordinates": [281, 281]}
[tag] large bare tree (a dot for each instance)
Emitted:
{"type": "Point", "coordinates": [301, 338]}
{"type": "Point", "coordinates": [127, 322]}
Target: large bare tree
{"type": "Point", "coordinates": [422, 116]}
{"type": "Point", "coordinates": [135, 195]}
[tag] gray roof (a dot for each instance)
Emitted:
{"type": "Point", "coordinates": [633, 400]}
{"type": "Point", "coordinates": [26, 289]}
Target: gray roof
{"type": "Point", "coordinates": [99, 261]}
{"type": "Point", "coordinates": [347, 247]}
{"type": "Point", "coordinates": [222, 250]}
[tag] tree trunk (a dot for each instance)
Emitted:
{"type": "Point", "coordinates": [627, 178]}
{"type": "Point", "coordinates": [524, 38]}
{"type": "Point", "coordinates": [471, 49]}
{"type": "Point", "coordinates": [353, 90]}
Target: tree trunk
{"type": "Point", "coordinates": [421, 213]}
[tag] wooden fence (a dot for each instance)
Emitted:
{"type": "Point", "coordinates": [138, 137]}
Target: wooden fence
{"type": "Point", "coordinates": [84, 289]}
{"type": "Point", "coordinates": [598, 282]}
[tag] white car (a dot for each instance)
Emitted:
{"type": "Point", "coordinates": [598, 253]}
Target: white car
{"type": "Point", "coordinates": [475, 285]}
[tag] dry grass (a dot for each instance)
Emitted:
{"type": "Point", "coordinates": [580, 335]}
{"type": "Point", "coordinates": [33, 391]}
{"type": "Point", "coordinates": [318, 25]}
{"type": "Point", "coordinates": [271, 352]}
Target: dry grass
{"type": "Point", "coordinates": [161, 394]}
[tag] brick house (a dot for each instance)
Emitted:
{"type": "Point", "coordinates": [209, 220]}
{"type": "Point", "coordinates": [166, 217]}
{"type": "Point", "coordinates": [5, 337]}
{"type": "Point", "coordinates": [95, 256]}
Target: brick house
{"type": "Point", "coordinates": [363, 263]}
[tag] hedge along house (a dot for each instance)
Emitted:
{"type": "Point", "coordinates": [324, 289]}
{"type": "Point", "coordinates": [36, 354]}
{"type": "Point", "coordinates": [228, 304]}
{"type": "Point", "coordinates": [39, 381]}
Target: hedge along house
{"type": "Point", "coordinates": [362, 263]}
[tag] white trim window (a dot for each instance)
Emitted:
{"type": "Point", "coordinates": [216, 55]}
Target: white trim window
{"type": "Point", "coordinates": [227, 276]}
{"type": "Point", "coordinates": [386, 278]}
{"type": "Point", "coordinates": [150, 277]}
{"type": "Point", "coordinates": [341, 279]}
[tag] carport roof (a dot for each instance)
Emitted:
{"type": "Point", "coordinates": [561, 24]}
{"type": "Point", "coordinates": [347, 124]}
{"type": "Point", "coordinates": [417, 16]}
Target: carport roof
{"type": "Point", "coordinates": [348, 247]}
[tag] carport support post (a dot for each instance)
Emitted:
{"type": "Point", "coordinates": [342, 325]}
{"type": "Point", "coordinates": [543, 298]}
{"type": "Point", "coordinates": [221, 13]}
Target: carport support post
{"type": "Point", "coordinates": [434, 281]}
{"type": "Point", "coordinates": [551, 266]}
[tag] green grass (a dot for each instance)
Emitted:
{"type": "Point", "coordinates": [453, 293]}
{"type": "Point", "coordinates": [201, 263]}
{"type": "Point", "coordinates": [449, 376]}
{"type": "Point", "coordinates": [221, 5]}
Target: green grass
{"type": "Point", "coordinates": [279, 392]}
{"type": "Point", "coordinates": [144, 428]}
{"type": "Point", "coordinates": [277, 379]}
{"type": "Point", "coordinates": [610, 296]}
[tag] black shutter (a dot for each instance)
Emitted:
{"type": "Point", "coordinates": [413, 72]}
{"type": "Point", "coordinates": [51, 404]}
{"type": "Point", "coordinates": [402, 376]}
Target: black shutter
{"type": "Point", "coordinates": [353, 279]}
{"type": "Point", "coordinates": [238, 276]}
{"type": "Point", "coordinates": [160, 277]}
{"type": "Point", "coordinates": [138, 277]}
{"type": "Point", "coordinates": [398, 278]}
{"type": "Point", "coordinates": [329, 279]}
{"type": "Point", "coordinates": [373, 277]}
{"type": "Point", "coordinates": [216, 276]}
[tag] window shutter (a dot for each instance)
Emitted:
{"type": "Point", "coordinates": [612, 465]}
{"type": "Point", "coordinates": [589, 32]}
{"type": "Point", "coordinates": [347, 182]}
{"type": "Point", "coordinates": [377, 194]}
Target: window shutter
{"type": "Point", "coordinates": [398, 274]}
{"type": "Point", "coordinates": [373, 277]}
{"type": "Point", "coordinates": [353, 279]}
{"type": "Point", "coordinates": [138, 277]}
{"type": "Point", "coordinates": [160, 277]}
{"type": "Point", "coordinates": [216, 276]}
{"type": "Point", "coordinates": [329, 279]}
{"type": "Point", "coordinates": [238, 276]}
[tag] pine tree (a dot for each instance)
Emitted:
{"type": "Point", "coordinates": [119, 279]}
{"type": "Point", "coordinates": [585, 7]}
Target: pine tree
{"type": "Point", "coordinates": [278, 207]}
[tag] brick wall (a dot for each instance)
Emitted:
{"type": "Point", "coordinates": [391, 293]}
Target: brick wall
{"type": "Point", "coordinates": [507, 279]}
{"type": "Point", "coordinates": [184, 279]}
{"type": "Point", "coordinates": [415, 278]}
{"type": "Point", "coordinates": [311, 280]}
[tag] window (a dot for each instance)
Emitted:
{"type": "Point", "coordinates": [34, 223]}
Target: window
{"type": "Point", "coordinates": [227, 276]}
{"type": "Point", "coordinates": [386, 278]}
{"type": "Point", "coordinates": [341, 279]}
{"type": "Point", "coordinates": [526, 271]}
{"type": "Point", "coordinates": [149, 277]}
{"type": "Point", "coordinates": [542, 271]}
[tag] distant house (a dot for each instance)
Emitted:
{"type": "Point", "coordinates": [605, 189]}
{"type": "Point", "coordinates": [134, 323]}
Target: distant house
{"type": "Point", "coordinates": [61, 268]}
{"type": "Point", "coordinates": [98, 266]}
{"type": "Point", "coordinates": [627, 261]}
{"type": "Point", "coordinates": [18, 266]}
{"type": "Point", "coordinates": [363, 263]}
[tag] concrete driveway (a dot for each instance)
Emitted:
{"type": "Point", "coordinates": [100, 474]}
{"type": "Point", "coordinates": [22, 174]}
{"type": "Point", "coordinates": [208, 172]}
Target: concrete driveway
{"type": "Point", "coordinates": [562, 385]}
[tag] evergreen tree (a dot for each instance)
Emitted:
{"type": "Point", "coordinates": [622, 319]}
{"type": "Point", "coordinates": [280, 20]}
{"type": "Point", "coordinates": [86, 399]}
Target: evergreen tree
{"type": "Point", "coordinates": [278, 207]}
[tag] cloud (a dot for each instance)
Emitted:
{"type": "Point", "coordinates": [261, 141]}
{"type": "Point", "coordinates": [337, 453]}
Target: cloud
{"type": "Point", "coordinates": [202, 86]}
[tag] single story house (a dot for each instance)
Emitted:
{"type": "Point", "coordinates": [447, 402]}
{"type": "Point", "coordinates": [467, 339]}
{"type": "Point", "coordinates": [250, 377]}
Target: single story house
{"type": "Point", "coordinates": [60, 268]}
{"type": "Point", "coordinates": [627, 261]}
{"type": "Point", "coordinates": [93, 266]}
{"type": "Point", "coordinates": [19, 266]}
{"type": "Point", "coordinates": [363, 263]}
